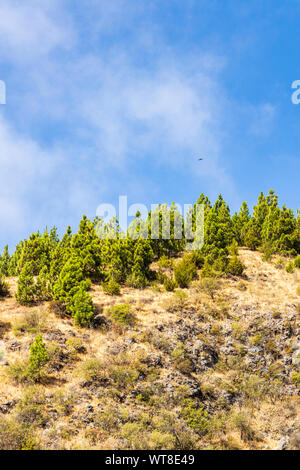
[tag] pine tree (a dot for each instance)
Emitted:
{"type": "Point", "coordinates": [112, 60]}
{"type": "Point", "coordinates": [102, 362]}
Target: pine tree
{"type": "Point", "coordinates": [82, 308]}
{"type": "Point", "coordinates": [5, 262]}
{"type": "Point", "coordinates": [86, 247]}
{"type": "Point", "coordinates": [38, 357]}
{"type": "Point", "coordinates": [26, 286]}
{"type": "Point", "coordinates": [42, 286]}
{"type": "Point", "coordinates": [218, 232]}
{"type": "Point", "coordinates": [70, 280]}
{"type": "Point", "coordinates": [142, 258]}
{"type": "Point", "coordinates": [239, 223]}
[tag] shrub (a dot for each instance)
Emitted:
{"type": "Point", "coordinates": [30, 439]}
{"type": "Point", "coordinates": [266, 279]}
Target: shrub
{"type": "Point", "coordinates": [122, 314]}
{"type": "Point", "coordinates": [235, 267]}
{"type": "Point", "coordinates": [185, 271]}
{"type": "Point", "coordinates": [195, 417]}
{"type": "Point", "coordinates": [297, 262]}
{"type": "Point", "coordinates": [295, 378]}
{"type": "Point", "coordinates": [31, 409]}
{"type": "Point", "coordinates": [111, 287]}
{"type": "Point", "coordinates": [137, 281]}
{"type": "Point", "coordinates": [177, 302]}
{"type": "Point", "coordinates": [181, 362]}
{"type": "Point", "coordinates": [134, 435]}
{"type": "Point", "coordinates": [208, 271]}
{"type": "Point", "coordinates": [92, 370]}
{"type": "Point", "coordinates": [58, 308]}
{"type": "Point", "coordinates": [18, 371]}
{"type": "Point", "coordinates": [169, 284]}
{"type": "Point", "coordinates": [13, 436]}
{"type": "Point", "coordinates": [4, 288]}
{"type": "Point", "coordinates": [280, 264]}
{"type": "Point", "coordinates": [241, 422]}
{"type": "Point", "coordinates": [38, 358]}
{"type": "Point", "coordinates": [64, 401]}
{"type": "Point", "coordinates": [256, 340]}
{"type": "Point", "coordinates": [165, 262]}
{"type": "Point", "coordinates": [75, 346]}
{"type": "Point", "coordinates": [31, 322]}
{"type": "Point", "coordinates": [124, 375]}
{"type": "Point", "coordinates": [290, 268]}
{"type": "Point", "coordinates": [209, 286]}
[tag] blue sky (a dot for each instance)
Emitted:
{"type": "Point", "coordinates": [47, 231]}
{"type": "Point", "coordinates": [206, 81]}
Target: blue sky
{"type": "Point", "coordinates": [120, 97]}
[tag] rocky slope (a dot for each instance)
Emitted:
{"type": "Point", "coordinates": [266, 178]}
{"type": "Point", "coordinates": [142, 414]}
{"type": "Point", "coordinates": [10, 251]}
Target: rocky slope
{"type": "Point", "coordinates": [194, 370]}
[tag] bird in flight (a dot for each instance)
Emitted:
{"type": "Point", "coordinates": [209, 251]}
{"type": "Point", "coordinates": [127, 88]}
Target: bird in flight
{"type": "Point", "coordinates": [199, 159]}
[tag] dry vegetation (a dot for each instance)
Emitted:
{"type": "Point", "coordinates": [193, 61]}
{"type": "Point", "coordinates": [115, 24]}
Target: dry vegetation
{"type": "Point", "coordinates": [209, 367]}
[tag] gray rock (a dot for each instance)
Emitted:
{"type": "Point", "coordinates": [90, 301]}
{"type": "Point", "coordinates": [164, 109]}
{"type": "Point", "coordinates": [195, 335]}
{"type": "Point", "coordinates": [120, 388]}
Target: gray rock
{"type": "Point", "coordinates": [282, 444]}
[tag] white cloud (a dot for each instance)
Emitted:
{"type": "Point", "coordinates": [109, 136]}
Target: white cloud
{"type": "Point", "coordinates": [262, 119]}
{"type": "Point", "coordinates": [32, 29]}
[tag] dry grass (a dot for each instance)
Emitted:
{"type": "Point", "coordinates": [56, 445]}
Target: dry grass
{"type": "Point", "coordinates": [266, 288]}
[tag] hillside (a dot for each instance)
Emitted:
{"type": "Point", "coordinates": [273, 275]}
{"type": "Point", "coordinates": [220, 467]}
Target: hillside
{"type": "Point", "coordinates": [208, 367]}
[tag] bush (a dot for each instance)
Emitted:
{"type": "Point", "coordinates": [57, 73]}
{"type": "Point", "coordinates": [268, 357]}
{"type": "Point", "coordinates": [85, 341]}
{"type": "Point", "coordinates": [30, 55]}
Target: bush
{"type": "Point", "coordinates": [295, 378]}
{"type": "Point", "coordinates": [185, 271]}
{"type": "Point", "coordinates": [290, 268]}
{"type": "Point", "coordinates": [57, 308]}
{"type": "Point", "coordinates": [111, 287]}
{"type": "Point", "coordinates": [137, 281]}
{"type": "Point", "coordinates": [4, 288]}
{"type": "Point", "coordinates": [75, 346]}
{"type": "Point", "coordinates": [208, 271]}
{"type": "Point", "coordinates": [92, 370]}
{"type": "Point", "coordinates": [181, 361]}
{"type": "Point", "coordinates": [177, 302]}
{"type": "Point", "coordinates": [297, 262]}
{"type": "Point", "coordinates": [169, 284]}
{"type": "Point", "coordinates": [31, 322]}
{"type": "Point", "coordinates": [165, 262]}
{"type": "Point", "coordinates": [241, 422]}
{"type": "Point", "coordinates": [122, 314]}
{"type": "Point", "coordinates": [209, 286]}
{"type": "Point", "coordinates": [195, 417]}
{"type": "Point", "coordinates": [13, 436]}
{"type": "Point", "coordinates": [32, 408]}
{"type": "Point", "coordinates": [18, 371]}
{"type": "Point", "coordinates": [64, 401]}
{"type": "Point", "coordinates": [235, 267]}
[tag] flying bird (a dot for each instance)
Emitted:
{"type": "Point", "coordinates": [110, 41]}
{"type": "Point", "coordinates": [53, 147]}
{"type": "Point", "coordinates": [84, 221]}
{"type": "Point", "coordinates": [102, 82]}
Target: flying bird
{"type": "Point", "coordinates": [199, 159]}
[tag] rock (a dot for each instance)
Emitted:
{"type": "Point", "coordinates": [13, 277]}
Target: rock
{"type": "Point", "coordinates": [282, 444]}
{"type": "Point", "coordinates": [6, 406]}
{"type": "Point", "coordinates": [296, 357]}
{"type": "Point", "coordinates": [100, 322]}
{"type": "Point", "coordinates": [57, 336]}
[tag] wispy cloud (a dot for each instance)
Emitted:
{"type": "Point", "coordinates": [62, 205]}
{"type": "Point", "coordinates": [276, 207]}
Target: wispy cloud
{"type": "Point", "coordinates": [90, 102]}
